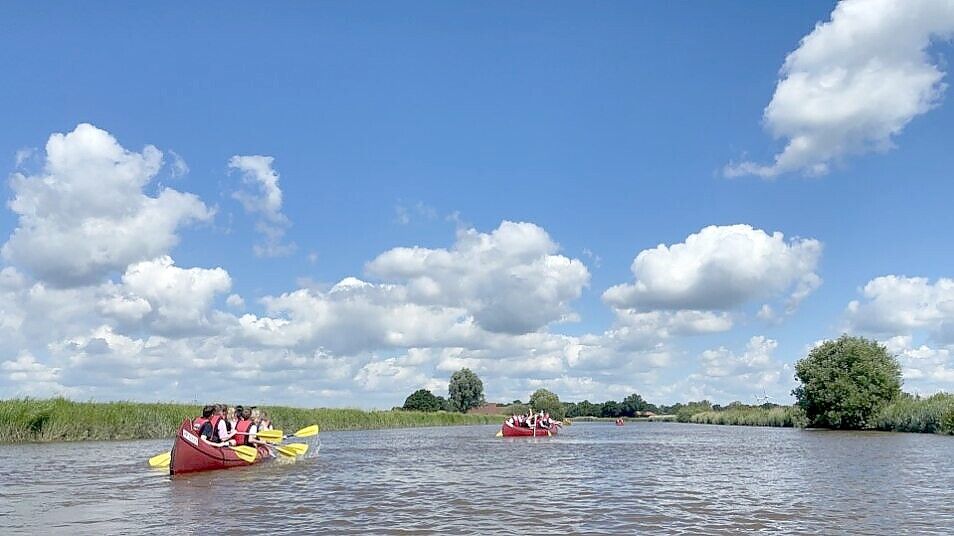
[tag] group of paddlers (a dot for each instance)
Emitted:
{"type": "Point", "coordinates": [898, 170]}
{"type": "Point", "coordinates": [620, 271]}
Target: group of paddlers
{"type": "Point", "coordinates": [229, 426]}
{"type": "Point", "coordinates": [533, 419]}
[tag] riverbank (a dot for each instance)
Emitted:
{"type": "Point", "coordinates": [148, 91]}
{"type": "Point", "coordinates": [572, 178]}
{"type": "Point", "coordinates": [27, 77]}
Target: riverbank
{"type": "Point", "coordinates": [781, 416]}
{"type": "Point", "coordinates": [654, 418]}
{"type": "Point", "coordinates": [932, 415]}
{"type": "Point", "coordinates": [27, 420]}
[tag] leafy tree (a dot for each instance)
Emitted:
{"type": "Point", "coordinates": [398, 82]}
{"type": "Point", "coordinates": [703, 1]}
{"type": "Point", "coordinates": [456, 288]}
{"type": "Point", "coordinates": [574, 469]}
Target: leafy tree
{"type": "Point", "coordinates": [569, 409]}
{"type": "Point", "coordinates": [846, 381]}
{"type": "Point", "coordinates": [685, 411]}
{"type": "Point", "coordinates": [465, 390]}
{"type": "Point", "coordinates": [633, 404]}
{"type": "Point", "coordinates": [544, 400]}
{"type": "Point", "coordinates": [422, 400]}
{"type": "Point", "coordinates": [611, 409]}
{"type": "Point", "coordinates": [445, 404]}
{"type": "Point", "coordinates": [582, 409]}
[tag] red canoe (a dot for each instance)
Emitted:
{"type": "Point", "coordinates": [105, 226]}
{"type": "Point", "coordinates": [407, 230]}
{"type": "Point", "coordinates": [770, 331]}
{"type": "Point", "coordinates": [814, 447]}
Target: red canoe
{"type": "Point", "coordinates": [190, 454]}
{"type": "Point", "coordinates": [510, 430]}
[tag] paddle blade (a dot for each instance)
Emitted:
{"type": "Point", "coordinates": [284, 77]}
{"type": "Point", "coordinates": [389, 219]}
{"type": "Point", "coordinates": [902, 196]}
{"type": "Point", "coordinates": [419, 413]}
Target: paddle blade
{"type": "Point", "coordinates": [307, 431]}
{"type": "Point", "coordinates": [292, 450]}
{"type": "Point", "coordinates": [285, 451]}
{"type": "Point", "coordinates": [270, 435]}
{"type": "Point", "coordinates": [499, 433]}
{"type": "Point", "coordinates": [160, 460]}
{"type": "Point", "coordinates": [245, 453]}
{"type": "Point", "coordinates": [299, 448]}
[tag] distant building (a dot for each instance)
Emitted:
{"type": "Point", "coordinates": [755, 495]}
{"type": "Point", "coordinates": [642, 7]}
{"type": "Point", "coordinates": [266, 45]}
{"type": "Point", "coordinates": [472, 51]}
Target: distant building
{"type": "Point", "coordinates": [489, 408]}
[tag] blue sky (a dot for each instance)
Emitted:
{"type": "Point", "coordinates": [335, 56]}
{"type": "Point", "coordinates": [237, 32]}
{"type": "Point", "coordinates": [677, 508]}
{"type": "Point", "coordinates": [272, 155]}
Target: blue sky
{"type": "Point", "coordinates": [607, 130]}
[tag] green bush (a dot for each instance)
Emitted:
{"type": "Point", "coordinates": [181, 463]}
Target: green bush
{"type": "Point", "coordinates": [947, 422]}
{"type": "Point", "coordinates": [422, 400]}
{"type": "Point", "coordinates": [742, 415]}
{"type": "Point", "coordinates": [914, 414]}
{"type": "Point", "coordinates": [845, 382]}
{"type": "Point", "coordinates": [685, 412]}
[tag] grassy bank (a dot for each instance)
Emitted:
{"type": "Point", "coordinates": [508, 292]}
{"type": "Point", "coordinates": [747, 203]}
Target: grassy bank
{"type": "Point", "coordinates": [785, 416]}
{"type": "Point", "coordinates": [28, 420]}
{"type": "Point", "coordinates": [934, 414]}
{"type": "Point", "coordinates": [657, 418]}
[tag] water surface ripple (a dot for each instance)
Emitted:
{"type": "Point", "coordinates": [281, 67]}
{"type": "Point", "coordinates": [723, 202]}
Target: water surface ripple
{"type": "Point", "coordinates": [642, 478]}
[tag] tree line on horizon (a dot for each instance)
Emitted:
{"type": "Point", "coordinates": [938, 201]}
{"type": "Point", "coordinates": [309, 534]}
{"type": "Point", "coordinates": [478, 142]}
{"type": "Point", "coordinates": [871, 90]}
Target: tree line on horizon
{"type": "Point", "coordinates": [466, 392]}
{"type": "Point", "coordinates": [843, 384]}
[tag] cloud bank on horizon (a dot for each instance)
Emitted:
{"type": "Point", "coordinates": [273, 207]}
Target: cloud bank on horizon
{"type": "Point", "coordinates": [854, 83]}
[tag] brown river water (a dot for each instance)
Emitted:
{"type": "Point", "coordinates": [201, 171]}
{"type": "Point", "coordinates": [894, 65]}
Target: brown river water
{"type": "Point", "coordinates": [642, 478]}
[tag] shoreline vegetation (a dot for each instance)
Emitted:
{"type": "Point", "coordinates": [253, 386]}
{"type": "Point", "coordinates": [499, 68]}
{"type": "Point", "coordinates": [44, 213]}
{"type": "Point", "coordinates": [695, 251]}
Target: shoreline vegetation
{"type": "Point", "coordinates": [851, 383]}
{"type": "Point", "coordinates": [30, 420]}
{"type": "Point", "coordinates": [907, 413]}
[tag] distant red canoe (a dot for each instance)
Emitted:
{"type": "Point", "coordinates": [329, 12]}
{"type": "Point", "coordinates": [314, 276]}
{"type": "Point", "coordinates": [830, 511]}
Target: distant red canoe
{"type": "Point", "coordinates": [619, 422]}
{"type": "Point", "coordinates": [190, 454]}
{"type": "Point", "coordinates": [510, 430]}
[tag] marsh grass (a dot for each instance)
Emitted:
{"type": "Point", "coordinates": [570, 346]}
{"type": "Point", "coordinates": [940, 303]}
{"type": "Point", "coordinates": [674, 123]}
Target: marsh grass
{"type": "Point", "coordinates": [934, 414]}
{"type": "Point", "coordinates": [782, 416]}
{"type": "Point", "coordinates": [58, 419]}
{"type": "Point", "coordinates": [908, 413]}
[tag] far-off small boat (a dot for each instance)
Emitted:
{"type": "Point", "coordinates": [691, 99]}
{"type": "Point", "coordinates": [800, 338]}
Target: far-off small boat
{"type": "Point", "coordinates": [510, 430]}
{"type": "Point", "coordinates": [619, 422]}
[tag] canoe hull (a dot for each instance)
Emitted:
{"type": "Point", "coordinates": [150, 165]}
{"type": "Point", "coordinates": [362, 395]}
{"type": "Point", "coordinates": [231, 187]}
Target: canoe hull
{"type": "Point", "coordinates": [509, 430]}
{"type": "Point", "coordinates": [191, 455]}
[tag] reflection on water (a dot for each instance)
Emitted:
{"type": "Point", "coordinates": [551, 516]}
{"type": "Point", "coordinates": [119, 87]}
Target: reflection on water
{"type": "Point", "coordinates": [651, 478]}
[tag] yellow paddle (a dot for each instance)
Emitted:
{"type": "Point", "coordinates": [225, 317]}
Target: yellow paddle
{"type": "Point", "coordinates": [307, 431]}
{"type": "Point", "coordinates": [269, 435]}
{"type": "Point", "coordinates": [292, 450]}
{"type": "Point", "coordinates": [245, 453]}
{"type": "Point", "coordinates": [275, 436]}
{"type": "Point", "coordinates": [160, 460]}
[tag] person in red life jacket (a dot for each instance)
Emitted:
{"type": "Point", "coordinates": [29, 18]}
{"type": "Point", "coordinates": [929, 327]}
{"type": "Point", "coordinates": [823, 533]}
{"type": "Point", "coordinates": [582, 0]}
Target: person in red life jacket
{"type": "Point", "coordinates": [210, 420]}
{"type": "Point", "coordinates": [221, 435]}
{"type": "Point", "coordinates": [234, 415]}
{"type": "Point", "coordinates": [243, 426]}
{"type": "Point", "coordinates": [199, 422]}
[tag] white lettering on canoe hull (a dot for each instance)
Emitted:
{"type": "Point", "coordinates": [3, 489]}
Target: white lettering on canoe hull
{"type": "Point", "coordinates": [190, 437]}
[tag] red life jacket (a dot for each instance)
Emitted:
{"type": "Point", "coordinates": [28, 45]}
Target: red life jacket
{"type": "Point", "coordinates": [242, 428]}
{"type": "Point", "coordinates": [198, 422]}
{"type": "Point", "coordinates": [214, 421]}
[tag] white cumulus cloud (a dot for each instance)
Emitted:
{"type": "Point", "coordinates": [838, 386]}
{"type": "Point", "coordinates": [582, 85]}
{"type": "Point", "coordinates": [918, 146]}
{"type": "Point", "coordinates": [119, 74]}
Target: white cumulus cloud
{"type": "Point", "coordinates": [510, 280]}
{"type": "Point", "coordinates": [262, 196]}
{"type": "Point", "coordinates": [720, 268]}
{"type": "Point", "coordinates": [85, 215]}
{"type": "Point", "coordinates": [172, 299]}
{"type": "Point", "coordinates": [854, 83]}
{"type": "Point", "coordinates": [899, 305]}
